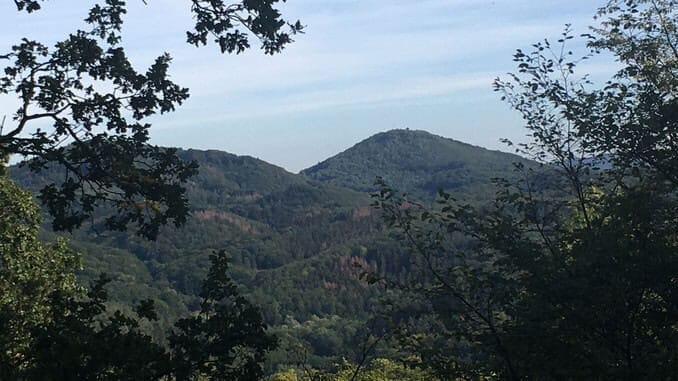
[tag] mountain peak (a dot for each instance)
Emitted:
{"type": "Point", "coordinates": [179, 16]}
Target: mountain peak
{"type": "Point", "coordinates": [414, 161]}
{"type": "Point", "coordinates": [403, 134]}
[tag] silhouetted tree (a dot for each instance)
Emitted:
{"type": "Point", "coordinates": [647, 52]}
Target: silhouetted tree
{"type": "Point", "coordinates": [95, 104]}
{"type": "Point", "coordinates": [570, 273]}
{"type": "Point", "coordinates": [227, 339]}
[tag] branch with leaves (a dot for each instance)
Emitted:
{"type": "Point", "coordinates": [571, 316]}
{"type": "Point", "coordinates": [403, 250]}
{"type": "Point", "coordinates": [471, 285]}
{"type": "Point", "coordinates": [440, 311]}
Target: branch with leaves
{"type": "Point", "coordinates": [82, 107]}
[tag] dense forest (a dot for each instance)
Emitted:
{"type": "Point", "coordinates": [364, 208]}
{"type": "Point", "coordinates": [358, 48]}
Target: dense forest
{"type": "Point", "coordinates": [407, 257]}
{"type": "Point", "coordinates": [297, 247]}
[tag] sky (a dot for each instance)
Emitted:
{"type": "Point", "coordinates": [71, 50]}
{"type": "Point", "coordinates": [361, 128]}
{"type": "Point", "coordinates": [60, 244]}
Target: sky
{"type": "Point", "coordinates": [362, 67]}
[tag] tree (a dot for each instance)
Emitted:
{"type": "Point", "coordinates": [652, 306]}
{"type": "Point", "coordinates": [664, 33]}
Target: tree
{"type": "Point", "coordinates": [67, 335]}
{"type": "Point", "coordinates": [570, 272]}
{"type": "Point", "coordinates": [84, 340]}
{"type": "Point", "coordinates": [227, 339]}
{"type": "Point", "coordinates": [30, 271]}
{"type": "Point", "coordinates": [640, 103]}
{"type": "Point", "coordinates": [51, 329]}
{"type": "Point", "coordinates": [97, 103]}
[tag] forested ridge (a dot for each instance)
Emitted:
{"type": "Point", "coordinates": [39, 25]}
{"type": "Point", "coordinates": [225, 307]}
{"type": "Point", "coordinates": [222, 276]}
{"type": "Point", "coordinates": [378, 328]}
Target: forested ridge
{"type": "Point", "coordinates": [297, 246]}
{"type": "Point", "coordinates": [416, 162]}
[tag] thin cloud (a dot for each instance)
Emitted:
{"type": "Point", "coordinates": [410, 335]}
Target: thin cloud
{"type": "Point", "coordinates": [356, 55]}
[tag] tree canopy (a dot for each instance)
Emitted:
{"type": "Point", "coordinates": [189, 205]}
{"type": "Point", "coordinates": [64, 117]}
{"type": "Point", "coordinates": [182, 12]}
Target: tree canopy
{"type": "Point", "coordinates": [89, 106]}
{"type": "Point", "coordinates": [82, 109]}
{"type": "Point", "coordinates": [30, 273]}
{"type": "Point", "coordinates": [570, 272]}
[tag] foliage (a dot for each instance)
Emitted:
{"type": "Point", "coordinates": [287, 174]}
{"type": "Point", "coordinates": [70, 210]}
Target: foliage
{"type": "Point", "coordinates": [640, 103]}
{"type": "Point", "coordinates": [226, 340]}
{"type": "Point", "coordinates": [97, 104]}
{"type": "Point", "coordinates": [81, 343]}
{"type": "Point", "coordinates": [569, 273]}
{"type": "Point", "coordinates": [378, 370]}
{"type": "Point", "coordinates": [52, 330]}
{"type": "Point", "coordinates": [30, 271]}
{"type": "Point", "coordinates": [572, 275]}
{"type": "Point", "coordinates": [383, 370]}
{"type": "Point", "coordinates": [450, 315]}
{"type": "Point", "coordinates": [297, 248]}
{"type": "Point", "coordinates": [64, 336]}
{"type": "Point", "coordinates": [286, 237]}
{"type": "Point", "coordinates": [84, 341]}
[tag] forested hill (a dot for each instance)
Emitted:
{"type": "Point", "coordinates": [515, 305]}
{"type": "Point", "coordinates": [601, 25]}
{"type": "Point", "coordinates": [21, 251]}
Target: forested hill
{"type": "Point", "coordinates": [253, 187]}
{"type": "Point", "coordinates": [417, 162]}
{"type": "Point", "coordinates": [296, 241]}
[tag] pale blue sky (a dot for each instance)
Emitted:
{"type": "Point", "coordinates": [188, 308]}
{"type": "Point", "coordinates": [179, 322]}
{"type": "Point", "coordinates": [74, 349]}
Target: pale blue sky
{"type": "Point", "coordinates": [363, 66]}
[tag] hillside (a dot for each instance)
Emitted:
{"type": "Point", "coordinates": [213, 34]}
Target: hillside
{"type": "Point", "coordinates": [290, 240]}
{"type": "Point", "coordinates": [296, 241]}
{"type": "Point", "coordinates": [417, 162]}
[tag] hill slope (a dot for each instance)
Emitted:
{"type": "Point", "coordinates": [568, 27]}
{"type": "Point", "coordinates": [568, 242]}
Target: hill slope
{"type": "Point", "coordinates": [294, 240]}
{"type": "Point", "coordinates": [416, 162]}
{"type": "Point", "coordinates": [263, 216]}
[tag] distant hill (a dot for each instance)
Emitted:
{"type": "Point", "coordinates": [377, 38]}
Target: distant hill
{"type": "Point", "coordinates": [297, 242]}
{"type": "Point", "coordinates": [265, 216]}
{"type": "Point", "coordinates": [417, 162]}
{"type": "Point", "coordinates": [290, 240]}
